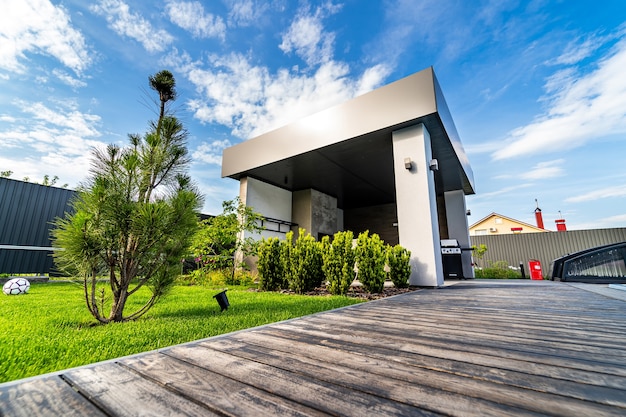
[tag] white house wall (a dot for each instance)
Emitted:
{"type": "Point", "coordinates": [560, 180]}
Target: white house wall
{"type": "Point", "coordinates": [268, 200]}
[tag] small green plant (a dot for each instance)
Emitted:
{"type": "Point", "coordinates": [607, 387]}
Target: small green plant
{"type": "Point", "coordinates": [305, 263]}
{"type": "Point", "coordinates": [399, 262]}
{"type": "Point", "coordinates": [370, 259]}
{"type": "Point", "coordinates": [216, 278]}
{"type": "Point", "coordinates": [338, 262]}
{"type": "Point", "coordinates": [479, 252]}
{"type": "Point", "coordinates": [218, 239]}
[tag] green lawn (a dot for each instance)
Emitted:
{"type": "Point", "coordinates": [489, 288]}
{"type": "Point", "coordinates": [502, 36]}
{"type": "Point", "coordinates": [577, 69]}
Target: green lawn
{"type": "Point", "coordinates": [50, 329]}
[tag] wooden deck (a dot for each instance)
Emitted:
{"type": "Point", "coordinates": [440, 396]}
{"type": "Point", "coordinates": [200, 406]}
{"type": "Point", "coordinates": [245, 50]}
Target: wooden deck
{"type": "Point", "coordinates": [474, 348]}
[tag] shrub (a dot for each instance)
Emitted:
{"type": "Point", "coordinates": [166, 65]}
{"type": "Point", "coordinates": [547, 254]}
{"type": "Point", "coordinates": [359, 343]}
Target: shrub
{"type": "Point", "coordinates": [270, 264]}
{"type": "Point", "coordinates": [305, 263]}
{"type": "Point", "coordinates": [338, 262]}
{"type": "Point", "coordinates": [399, 261]}
{"type": "Point", "coordinates": [370, 258]}
{"type": "Point", "coordinates": [498, 270]}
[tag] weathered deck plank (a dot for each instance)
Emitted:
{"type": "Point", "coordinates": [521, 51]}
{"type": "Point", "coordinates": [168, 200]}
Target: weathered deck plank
{"type": "Point", "coordinates": [474, 348]}
{"type": "Point", "coordinates": [120, 392]}
{"type": "Point", "coordinates": [47, 396]}
{"type": "Point", "coordinates": [212, 389]}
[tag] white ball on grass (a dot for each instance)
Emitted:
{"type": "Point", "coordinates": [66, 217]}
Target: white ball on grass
{"type": "Point", "coordinates": [16, 286]}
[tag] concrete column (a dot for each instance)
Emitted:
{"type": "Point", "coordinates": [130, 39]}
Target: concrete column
{"type": "Point", "coordinates": [315, 212]}
{"type": "Point", "coordinates": [458, 227]}
{"type": "Point", "coordinates": [418, 224]}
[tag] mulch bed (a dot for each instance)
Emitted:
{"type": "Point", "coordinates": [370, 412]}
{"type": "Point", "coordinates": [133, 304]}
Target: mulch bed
{"type": "Point", "coordinates": [358, 292]}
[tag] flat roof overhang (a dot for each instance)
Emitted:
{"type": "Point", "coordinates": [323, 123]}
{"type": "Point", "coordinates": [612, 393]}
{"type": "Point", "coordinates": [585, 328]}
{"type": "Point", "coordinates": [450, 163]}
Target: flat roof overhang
{"type": "Point", "coordinates": [346, 150]}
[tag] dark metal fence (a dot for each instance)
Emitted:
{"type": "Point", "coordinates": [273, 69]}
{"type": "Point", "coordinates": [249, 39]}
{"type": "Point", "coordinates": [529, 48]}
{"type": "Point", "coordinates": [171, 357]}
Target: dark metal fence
{"type": "Point", "coordinates": [545, 247]}
{"type": "Point", "coordinates": [26, 213]}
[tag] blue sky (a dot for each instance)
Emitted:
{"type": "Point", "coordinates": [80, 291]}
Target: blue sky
{"type": "Point", "coordinates": [537, 89]}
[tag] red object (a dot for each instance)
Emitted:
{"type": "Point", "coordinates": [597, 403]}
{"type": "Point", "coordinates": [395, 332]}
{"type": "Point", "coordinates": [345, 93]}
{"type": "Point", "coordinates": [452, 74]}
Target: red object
{"type": "Point", "coordinates": [560, 225]}
{"type": "Point", "coordinates": [539, 218]}
{"type": "Point", "coordinates": [516, 229]}
{"type": "Point", "coordinates": [534, 266]}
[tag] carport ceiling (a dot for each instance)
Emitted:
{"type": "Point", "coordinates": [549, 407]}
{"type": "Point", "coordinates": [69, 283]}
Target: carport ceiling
{"type": "Point", "coordinates": [359, 171]}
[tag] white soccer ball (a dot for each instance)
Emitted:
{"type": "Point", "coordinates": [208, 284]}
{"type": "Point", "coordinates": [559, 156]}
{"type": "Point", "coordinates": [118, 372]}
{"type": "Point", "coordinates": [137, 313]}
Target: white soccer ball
{"type": "Point", "coordinates": [16, 286]}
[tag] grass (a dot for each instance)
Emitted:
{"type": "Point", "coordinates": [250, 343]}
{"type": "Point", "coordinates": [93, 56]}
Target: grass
{"type": "Point", "coordinates": [50, 329]}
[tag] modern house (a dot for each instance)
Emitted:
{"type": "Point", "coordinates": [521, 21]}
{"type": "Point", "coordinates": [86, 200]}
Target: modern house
{"type": "Point", "coordinates": [389, 161]}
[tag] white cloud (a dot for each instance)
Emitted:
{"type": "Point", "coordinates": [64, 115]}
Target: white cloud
{"type": "Point", "coordinates": [68, 79]}
{"type": "Point", "coordinates": [576, 51]}
{"type": "Point", "coordinates": [604, 222]}
{"type": "Point", "coordinates": [53, 141]}
{"type": "Point", "coordinates": [250, 100]}
{"type": "Point", "coordinates": [246, 12]}
{"type": "Point", "coordinates": [580, 109]}
{"type": "Point", "coordinates": [133, 25]}
{"type": "Point", "coordinates": [308, 39]}
{"type": "Point", "coordinates": [211, 153]}
{"type": "Point", "coordinates": [608, 192]}
{"type": "Point", "coordinates": [542, 170]}
{"type": "Point", "coordinates": [191, 17]}
{"type": "Point", "coordinates": [64, 130]}
{"type": "Point", "coordinates": [502, 191]}
{"type": "Point", "coordinates": [39, 27]}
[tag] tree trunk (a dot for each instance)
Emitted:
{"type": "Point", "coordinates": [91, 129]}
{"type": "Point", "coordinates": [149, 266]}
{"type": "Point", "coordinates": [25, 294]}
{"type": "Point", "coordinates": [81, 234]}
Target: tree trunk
{"type": "Point", "coordinates": [117, 309]}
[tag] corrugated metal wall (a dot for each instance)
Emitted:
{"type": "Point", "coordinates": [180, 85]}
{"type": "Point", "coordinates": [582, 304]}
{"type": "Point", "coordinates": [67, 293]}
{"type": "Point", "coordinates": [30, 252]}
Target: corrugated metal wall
{"type": "Point", "coordinates": [545, 247]}
{"type": "Point", "coordinates": [26, 210]}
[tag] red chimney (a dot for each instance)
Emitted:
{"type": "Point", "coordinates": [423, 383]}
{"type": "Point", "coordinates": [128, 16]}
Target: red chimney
{"type": "Point", "coordinates": [538, 216]}
{"type": "Point", "coordinates": [560, 223]}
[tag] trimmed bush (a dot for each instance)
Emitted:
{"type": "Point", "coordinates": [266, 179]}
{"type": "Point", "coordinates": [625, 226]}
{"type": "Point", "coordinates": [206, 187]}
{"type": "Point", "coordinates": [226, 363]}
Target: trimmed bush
{"type": "Point", "coordinates": [305, 263]}
{"type": "Point", "coordinates": [370, 259]}
{"type": "Point", "coordinates": [338, 262]}
{"type": "Point", "coordinates": [399, 261]}
{"type": "Point", "coordinates": [270, 265]}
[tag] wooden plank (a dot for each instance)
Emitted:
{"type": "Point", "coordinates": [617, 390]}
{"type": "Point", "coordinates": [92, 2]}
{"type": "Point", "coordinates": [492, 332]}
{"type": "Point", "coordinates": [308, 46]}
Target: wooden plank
{"type": "Point", "coordinates": [466, 342]}
{"type": "Point", "coordinates": [380, 360]}
{"type": "Point", "coordinates": [213, 390]}
{"type": "Point", "coordinates": [413, 385]}
{"type": "Point", "coordinates": [606, 311]}
{"type": "Point", "coordinates": [481, 341]}
{"type": "Point", "coordinates": [326, 397]}
{"type": "Point", "coordinates": [579, 347]}
{"type": "Point", "coordinates": [493, 357]}
{"type": "Point", "coordinates": [120, 392]}
{"type": "Point", "coordinates": [46, 396]}
{"type": "Point", "coordinates": [502, 319]}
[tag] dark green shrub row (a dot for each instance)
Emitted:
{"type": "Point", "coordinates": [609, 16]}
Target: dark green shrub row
{"type": "Point", "coordinates": [306, 263]}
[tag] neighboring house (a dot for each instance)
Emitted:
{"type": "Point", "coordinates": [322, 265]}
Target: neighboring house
{"type": "Point", "coordinates": [497, 224]}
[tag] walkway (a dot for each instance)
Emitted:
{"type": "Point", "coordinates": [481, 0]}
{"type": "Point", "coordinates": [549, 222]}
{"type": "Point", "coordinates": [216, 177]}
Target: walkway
{"type": "Point", "coordinates": [475, 348]}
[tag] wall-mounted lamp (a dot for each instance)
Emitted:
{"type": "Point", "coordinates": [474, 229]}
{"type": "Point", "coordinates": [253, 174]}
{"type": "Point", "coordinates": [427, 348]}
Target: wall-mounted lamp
{"type": "Point", "coordinates": [468, 212]}
{"type": "Point", "coordinates": [408, 164]}
{"type": "Point", "coordinates": [434, 165]}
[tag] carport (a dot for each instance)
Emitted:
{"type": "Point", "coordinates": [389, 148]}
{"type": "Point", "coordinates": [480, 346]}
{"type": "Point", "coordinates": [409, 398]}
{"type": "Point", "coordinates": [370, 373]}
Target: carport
{"type": "Point", "coordinates": [389, 161]}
